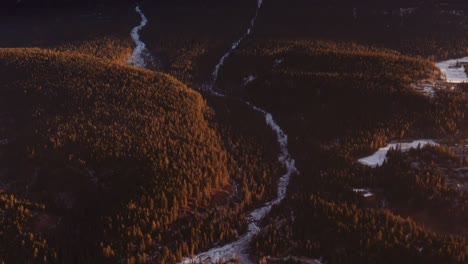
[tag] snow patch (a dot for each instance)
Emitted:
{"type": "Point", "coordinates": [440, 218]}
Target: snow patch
{"type": "Point", "coordinates": [429, 90]}
{"type": "Point", "coordinates": [426, 88]}
{"type": "Point", "coordinates": [454, 70]}
{"type": "Point", "coordinates": [140, 52]}
{"type": "Point", "coordinates": [278, 62]}
{"type": "Point", "coordinates": [364, 192]}
{"type": "Point", "coordinates": [378, 158]}
{"type": "Point", "coordinates": [249, 79]}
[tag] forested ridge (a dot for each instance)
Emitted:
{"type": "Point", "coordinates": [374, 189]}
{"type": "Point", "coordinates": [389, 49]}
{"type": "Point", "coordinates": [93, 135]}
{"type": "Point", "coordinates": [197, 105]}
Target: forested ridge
{"type": "Point", "coordinates": [134, 152]}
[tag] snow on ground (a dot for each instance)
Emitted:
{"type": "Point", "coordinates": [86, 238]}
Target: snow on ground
{"type": "Point", "coordinates": [426, 87]}
{"type": "Point", "coordinates": [249, 79]}
{"type": "Point", "coordinates": [454, 73]}
{"type": "Point", "coordinates": [429, 90]}
{"type": "Point", "coordinates": [378, 158]}
{"type": "Point", "coordinates": [364, 192]}
{"type": "Point", "coordinates": [278, 62]}
{"type": "Point", "coordinates": [138, 57]}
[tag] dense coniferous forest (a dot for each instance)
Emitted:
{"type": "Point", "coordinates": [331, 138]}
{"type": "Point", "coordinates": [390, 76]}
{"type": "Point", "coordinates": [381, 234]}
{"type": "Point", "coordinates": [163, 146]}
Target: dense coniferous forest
{"type": "Point", "coordinates": [104, 162]}
{"type": "Point", "coordinates": [109, 158]}
{"type": "Point", "coordinates": [307, 85]}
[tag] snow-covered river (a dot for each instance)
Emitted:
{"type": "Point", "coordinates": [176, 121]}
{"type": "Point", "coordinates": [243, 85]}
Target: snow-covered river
{"type": "Point", "coordinates": [140, 53]}
{"type": "Point", "coordinates": [240, 247]}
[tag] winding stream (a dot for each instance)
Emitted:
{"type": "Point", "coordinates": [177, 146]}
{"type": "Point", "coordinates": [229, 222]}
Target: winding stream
{"type": "Point", "coordinates": [240, 247]}
{"type": "Point", "coordinates": [236, 44]}
{"type": "Point", "coordinates": [140, 52]}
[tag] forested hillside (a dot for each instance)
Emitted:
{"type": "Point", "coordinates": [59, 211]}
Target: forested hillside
{"type": "Point", "coordinates": [95, 131]}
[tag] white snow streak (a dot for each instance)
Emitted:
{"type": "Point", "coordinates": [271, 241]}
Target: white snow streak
{"type": "Point", "coordinates": [378, 158]}
{"type": "Point", "coordinates": [249, 79]}
{"type": "Point", "coordinates": [454, 70]}
{"type": "Point", "coordinates": [364, 192]}
{"type": "Point", "coordinates": [140, 51]}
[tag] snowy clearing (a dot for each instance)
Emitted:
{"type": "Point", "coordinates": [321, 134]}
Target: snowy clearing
{"type": "Point", "coordinates": [378, 158]}
{"type": "Point", "coordinates": [454, 70]}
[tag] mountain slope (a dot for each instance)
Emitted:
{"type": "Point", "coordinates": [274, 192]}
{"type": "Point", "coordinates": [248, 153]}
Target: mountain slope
{"type": "Point", "coordinates": [94, 139]}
